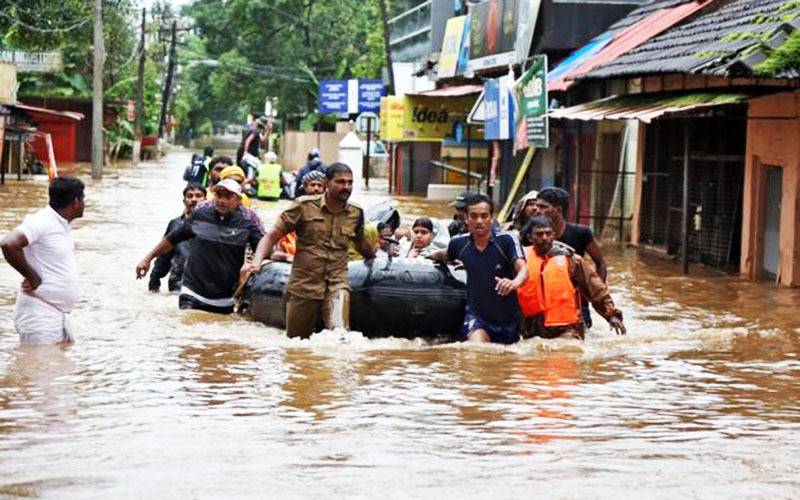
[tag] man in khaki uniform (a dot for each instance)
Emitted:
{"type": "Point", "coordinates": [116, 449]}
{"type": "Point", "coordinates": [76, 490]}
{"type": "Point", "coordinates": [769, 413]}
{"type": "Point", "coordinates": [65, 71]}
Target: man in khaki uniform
{"type": "Point", "coordinates": [325, 224]}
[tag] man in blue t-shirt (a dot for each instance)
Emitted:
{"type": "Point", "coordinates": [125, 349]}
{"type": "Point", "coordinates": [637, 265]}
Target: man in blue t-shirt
{"type": "Point", "coordinates": [495, 269]}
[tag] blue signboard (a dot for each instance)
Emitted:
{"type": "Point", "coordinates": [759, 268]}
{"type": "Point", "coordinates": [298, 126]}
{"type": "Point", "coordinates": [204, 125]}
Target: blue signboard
{"type": "Point", "coordinates": [499, 109]}
{"type": "Point", "coordinates": [333, 96]}
{"type": "Point", "coordinates": [350, 96]}
{"type": "Point", "coordinates": [369, 95]}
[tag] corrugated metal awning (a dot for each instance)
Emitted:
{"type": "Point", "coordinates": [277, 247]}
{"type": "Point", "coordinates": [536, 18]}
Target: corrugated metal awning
{"type": "Point", "coordinates": [33, 109]}
{"type": "Point", "coordinates": [454, 91]}
{"type": "Point", "coordinates": [645, 108]}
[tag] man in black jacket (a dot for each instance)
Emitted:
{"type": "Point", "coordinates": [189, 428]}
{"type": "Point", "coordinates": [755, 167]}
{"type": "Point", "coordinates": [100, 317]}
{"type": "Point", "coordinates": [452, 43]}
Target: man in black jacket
{"type": "Point", "coordinates": [173, 262]}
{"type": "Point", "coordinates": [219, 234]}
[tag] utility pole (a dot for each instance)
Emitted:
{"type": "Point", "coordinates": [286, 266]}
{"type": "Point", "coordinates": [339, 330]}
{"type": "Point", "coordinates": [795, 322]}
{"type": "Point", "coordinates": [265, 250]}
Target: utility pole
{"type": "Point", "coordinates": [137, 127]}
{"type": "Point", "coordinates": [386, 45]}
{"type": "Point", "coordinates": [97, 92]}
{"type": "Point", "coordinates": [162, 122]}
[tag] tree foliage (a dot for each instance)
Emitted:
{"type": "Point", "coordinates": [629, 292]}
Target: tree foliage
{"type": "Point", "coordinates": [280, 49]}
{"type": "Point", "coordinates": [235, 54]}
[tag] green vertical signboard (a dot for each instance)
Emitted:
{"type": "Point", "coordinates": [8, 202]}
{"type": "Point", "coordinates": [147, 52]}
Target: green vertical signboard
{"type": "Point", "coordinates": [532, 91]}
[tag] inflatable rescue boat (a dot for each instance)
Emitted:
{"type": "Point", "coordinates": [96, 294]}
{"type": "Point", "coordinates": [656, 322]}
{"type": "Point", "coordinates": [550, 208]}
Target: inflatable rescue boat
{"type": "Point", "coordinates": [389, 297]}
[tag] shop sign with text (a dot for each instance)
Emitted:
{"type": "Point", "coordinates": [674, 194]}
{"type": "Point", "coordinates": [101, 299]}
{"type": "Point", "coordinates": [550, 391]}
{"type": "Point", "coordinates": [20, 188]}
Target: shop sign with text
{"type": "Point", "coordinates": [422, 118]}
{"type": "Point", "coordinates": [532, 94]}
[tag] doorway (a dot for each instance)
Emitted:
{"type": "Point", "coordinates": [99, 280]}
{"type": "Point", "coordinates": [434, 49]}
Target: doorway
{"type": "Point", "coordinates": [773, 193]}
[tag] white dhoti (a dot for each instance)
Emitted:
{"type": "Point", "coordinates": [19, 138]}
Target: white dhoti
{"type": "Point", "coordinates": [40, 323]}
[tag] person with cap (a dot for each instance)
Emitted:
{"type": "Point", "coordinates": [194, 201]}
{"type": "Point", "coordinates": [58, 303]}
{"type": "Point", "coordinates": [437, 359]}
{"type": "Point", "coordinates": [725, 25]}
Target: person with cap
{"type": "Point", "coordinates": [172, 263]}
{"type": "Point", "coordinates": [287, 246]}
{"type": "Point", "coordinates": [270, 178]}
{"type": "Point", "coordinates": [558, 279]}
{"type": "Point", "coordinates": [237, 174]}
{"type": "Point", "coordinates": [459, 222]}
{"type": "Point", "coordinates": [524, 210]}
{"type": "Point", "coordinates": [325, 225]}
{"type": "Point", "coordinates": [219, 234]}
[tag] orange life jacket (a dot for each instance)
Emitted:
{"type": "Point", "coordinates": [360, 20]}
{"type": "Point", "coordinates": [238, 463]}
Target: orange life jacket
{"type": "Point", "coordinates": [289, 243]}
{"type": "Point", "coordinates": [549, 290]}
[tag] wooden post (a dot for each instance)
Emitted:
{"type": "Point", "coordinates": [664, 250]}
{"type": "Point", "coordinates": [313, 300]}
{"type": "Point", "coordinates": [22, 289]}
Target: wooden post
{"type": "Point", "coordinates": [97, 92]}
{"type": "Point", "coordinates": [623, 179]}
{"type": "Point", "coordinates": [21, 157]}
{"type": "Point", "coordinates": [369, 134]}
{"type": "Point", "coordinates": [685, 207]}
{"type": "Point", "coordinates": [319, 133]}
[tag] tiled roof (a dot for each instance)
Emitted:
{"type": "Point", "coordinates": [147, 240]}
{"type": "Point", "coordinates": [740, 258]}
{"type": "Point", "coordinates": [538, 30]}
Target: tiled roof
{"type": "Point", "coordinates": [640, 13]}
{"type": "Point", "coordinates": [726, 38]}
{"type": "Point", "coordinates": [628, 39]}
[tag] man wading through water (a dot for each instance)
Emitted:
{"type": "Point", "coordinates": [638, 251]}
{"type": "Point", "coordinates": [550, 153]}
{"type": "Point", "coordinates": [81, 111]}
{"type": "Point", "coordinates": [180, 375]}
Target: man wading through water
{"type": "Point", "coordinates": [495, 270]}
{"type": "Point", "coordinates": [42, 251]}
{"type": "Point", "coordinates": [551, 298]}
{"type": "Point", "coordinates": [325, 225]}
{"type": "Point", "coordinates": [219, 234]}
{"type": "Point", "coordinates": [174, 261]}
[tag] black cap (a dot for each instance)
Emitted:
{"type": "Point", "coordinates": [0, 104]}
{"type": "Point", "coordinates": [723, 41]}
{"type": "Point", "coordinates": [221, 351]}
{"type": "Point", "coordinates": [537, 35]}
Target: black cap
{"type": "Point", "coordinates": [462, 199]}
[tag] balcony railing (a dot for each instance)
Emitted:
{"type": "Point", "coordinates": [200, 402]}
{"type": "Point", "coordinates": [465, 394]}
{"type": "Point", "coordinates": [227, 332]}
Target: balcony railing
{"type": "Point", "coordinates": [410, 33]}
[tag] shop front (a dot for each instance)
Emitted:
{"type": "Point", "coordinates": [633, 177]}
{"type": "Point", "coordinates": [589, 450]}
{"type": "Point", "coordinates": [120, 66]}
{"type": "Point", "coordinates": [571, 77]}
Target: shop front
{"type": "Point", "coordinates": [427, 136]}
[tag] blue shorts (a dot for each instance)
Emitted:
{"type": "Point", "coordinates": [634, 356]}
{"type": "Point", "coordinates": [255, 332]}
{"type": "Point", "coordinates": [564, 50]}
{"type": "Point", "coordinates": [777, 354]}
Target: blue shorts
{"type": "Point", "coordinates": [500, 334]}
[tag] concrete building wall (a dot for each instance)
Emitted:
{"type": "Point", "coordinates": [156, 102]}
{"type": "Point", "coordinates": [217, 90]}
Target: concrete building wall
{"type": "Point", "coordinates": [773, 139]}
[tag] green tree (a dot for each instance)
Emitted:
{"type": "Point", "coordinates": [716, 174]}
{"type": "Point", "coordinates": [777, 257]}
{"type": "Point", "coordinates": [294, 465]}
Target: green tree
{"type": "Point", "coordinates": [280, 49]}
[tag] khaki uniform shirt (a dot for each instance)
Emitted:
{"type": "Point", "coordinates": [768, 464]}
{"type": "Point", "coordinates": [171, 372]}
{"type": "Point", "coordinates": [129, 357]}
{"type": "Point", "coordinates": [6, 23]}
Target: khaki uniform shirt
{"type": "Point", "coordinates": [320, 263]}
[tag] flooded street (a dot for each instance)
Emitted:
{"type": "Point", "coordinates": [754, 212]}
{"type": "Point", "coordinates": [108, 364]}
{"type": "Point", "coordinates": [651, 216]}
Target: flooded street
{"type": "Point", "coordinates": [699, 400]}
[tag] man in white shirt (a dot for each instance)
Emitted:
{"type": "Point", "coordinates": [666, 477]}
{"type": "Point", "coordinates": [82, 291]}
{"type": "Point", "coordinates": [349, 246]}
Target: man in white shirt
{"type": "Point", "coordinates": [42, 251]}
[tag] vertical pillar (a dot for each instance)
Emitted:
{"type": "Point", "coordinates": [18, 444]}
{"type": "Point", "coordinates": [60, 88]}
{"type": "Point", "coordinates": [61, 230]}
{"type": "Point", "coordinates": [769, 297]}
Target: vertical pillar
{"type": "Point", "coordinates": [685, 205]}
{"type": "Point", "coordinates": [97, 92]}
{"type": "Point", "coordinates": [20, 157]}
{"type": "Point", "coordinates": [469, 156]}
{"type": "Point", "coordinates": [577, 214]}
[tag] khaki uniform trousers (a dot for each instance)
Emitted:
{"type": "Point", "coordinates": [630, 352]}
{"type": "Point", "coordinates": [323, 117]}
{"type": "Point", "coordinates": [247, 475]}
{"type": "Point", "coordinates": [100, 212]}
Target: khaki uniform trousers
{"type": "Point", "coordinates": [302, 314]}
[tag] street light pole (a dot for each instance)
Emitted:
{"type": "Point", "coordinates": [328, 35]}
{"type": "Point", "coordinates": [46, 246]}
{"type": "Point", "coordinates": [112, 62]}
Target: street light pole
{"type": "Point", "coordinates": [97, 92]}
{"type": "Point", "coordinates": [137, 135]}
{"type": "Point", "coordinates": [162, 122]}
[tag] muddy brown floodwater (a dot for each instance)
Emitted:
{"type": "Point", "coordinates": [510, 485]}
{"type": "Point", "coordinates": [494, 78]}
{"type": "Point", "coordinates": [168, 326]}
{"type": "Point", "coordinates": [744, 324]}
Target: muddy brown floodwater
{"type": "Point", "coordinates": [699, 400]}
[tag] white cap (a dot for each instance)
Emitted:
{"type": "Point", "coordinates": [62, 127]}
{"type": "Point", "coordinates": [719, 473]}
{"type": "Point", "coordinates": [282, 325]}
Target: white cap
{"type": "Point", "coordinates": [229, 185]}
{"type": "Point", "coordinates": [272, 157]}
